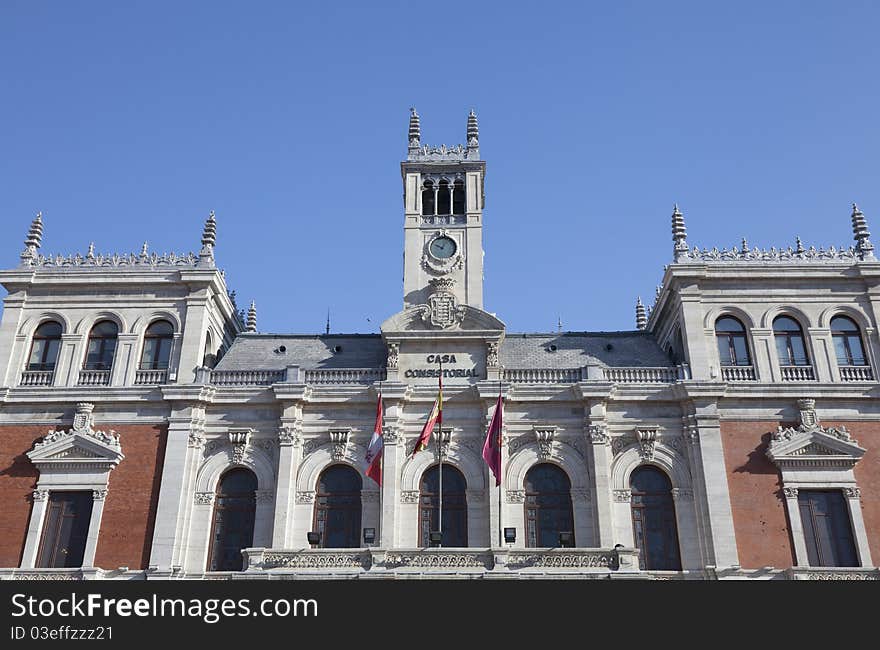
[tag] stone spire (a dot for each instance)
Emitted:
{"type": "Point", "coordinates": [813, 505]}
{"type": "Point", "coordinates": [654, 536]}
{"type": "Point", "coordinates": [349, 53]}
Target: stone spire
{"type": "Point", "coordinates": [473, 132]}
{"type": "Point", "coordinates": [864, 247]}
{"type": "Point", "coordinates": [252, 317]}
{"type": "Point", "coordinates": [641, 316]}
{"type": "Point", "coordinates": [679, 235]}
{"type": "Point", "coordinates": [209, 238]}
{"type": "Point", "coordinates": [33, 241]}
{"type": "Point", "coordinates": [415, 131]}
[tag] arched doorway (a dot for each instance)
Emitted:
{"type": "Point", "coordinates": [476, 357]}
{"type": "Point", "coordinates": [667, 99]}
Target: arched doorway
{"type": "Point", "coordinates": [454, 506]}
{"type": "Point", "coordinates": [235, 506]}
{"type": "Point", "coordinates": [338, 507]}
{"type": "Point", "coordinates": [548, 505]}
{"type": "Point", "coordinates": [653, 515]}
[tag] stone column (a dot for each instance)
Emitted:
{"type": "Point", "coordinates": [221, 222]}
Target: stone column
{"type": "Point", "coordinates": [600, 455]}
{"type": "Point", "coordinates": [12, 345]}
{"type": "Point", "coordinates": [98, 498]}
{"type": "Point", "coordinates": [393, 399]}
{"type": "Point", "coordinates": [40, 498]}
{"type": "Point", "coordinates": [710, 477]}
{"type": "Point", "coordinates": [489, 394]}
{"type": "Point", "coordinates": [823, 357]}
{"type": "Point", "coordinates": [693, 334]}
{"type": "Point", "coordinates": [69, 360]}
{"type": "Point", "coordinates": [189, 348]}
{"type": "Point", "coordinates": [289, 456]}
{"type": "Point", "coordinates": [764, 355]}
{"type": "Point", "coordinates": [125, 363]}
{"type": "Point", "coordinates": [796, 526]}
{"type": "Point", "coordinates": [182, 452]}
{"type": "Point", "coordinates": [860, 535]}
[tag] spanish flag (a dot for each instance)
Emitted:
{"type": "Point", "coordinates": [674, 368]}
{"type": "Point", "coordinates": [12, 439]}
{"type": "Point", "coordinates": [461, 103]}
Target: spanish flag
{"type": "Point", "coordinates": [435, 417]}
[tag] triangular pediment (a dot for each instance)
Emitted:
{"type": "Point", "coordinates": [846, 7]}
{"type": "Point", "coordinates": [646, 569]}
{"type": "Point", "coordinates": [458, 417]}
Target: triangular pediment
{"type": "Point", "coordinates": [414, 320]}
{"type": "Point", "coordinates": [77, 447]}
{"type": "Point", "coordinates": [814, 446]}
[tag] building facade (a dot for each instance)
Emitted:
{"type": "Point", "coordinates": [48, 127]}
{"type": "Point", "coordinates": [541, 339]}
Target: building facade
{"type": "Point", "coordinates": [150, 431]}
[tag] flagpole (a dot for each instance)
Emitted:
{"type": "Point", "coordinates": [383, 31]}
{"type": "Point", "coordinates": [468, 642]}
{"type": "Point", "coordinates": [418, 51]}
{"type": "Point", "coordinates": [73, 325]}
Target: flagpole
{"type": "Point", "coordinates": [381, 466]}
{"type": "Point", "coordinates": [440, 449]}
{"type": "Point", "coordinates": [500, 455]}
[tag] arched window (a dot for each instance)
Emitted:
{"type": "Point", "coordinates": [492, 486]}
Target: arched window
{"type": "Point", "coordinates": [102, 346]}
{"type": "Point", "coordinates": [458, 205]}
{"type": "Point", "coordinates": [444, 200]}
{"type": "Point", "coordinates": [790, 345]}
{"type": "Point", "coordinates": [733, 349]}
{"type": "Point", "coordinates": [157, 346]}
{"type": "Point", "coordinates": [428, 198]}
{"type": "Point", "coordinates": [653, 515]}
{"type": "Point", "coordinates": [44, 347]}
{"type": "Point", "coordinates": [548, 505]}
{"type": "Point", "coordinates": [454, 506]}
{"type": "Point", "coordinates": [338, 507]}
{"type": "Point", "coordinates": [209, 359]}
{"type": "Point", "coordinates": [235, 506]}
{"type": "Point", "coordinates": [847, 342]}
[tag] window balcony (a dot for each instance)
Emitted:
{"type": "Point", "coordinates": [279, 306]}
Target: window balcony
{"type": "Point", "coordinates": [738, 373]}
{"type": "Point", "coordinates": [37, 378]}
{"type": "Point", "coordinates": [856, 373]}
{"type": "Point", "coordinates": [797, 373]}
{"type": "Point", "coordinates": [149, 377]}
{"type": "Point", "coordinates": [94, 378]}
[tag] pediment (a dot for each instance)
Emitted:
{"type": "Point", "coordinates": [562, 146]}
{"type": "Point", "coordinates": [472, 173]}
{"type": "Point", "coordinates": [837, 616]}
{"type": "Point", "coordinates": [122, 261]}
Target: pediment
{"type": "Point", "coordinates": [77, 447]}
{"type": "Point", "coordinates": [814, 446]}
{"type": "Point", "coordinates": [413, 320]}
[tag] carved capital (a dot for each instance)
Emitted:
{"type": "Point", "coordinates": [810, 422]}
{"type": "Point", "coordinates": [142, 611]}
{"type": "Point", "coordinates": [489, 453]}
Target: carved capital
{"type": "Point", "coordinates": [203, 498]}
{"type": "Point", "coordinates": [623, 496]}
{"type": "Point", "coordinates": [598, 435]}
{"type": "Point", "coordinates": [852, 492]}
{"type": "Point", "coordinates": [305, 496]}
{"type": "Point", "coordinates": [409, 496]}
{"type": "Point", "coordinates": [339, 439]}
{"type": "Point", "coordinates": [682, 494]}
{"type": "Point", "coordinates": [544, 437]}
{"type": "Point", "coordinates": [790, 492]}
{"type": "Point", "coordinates": [40, 495]}
{"type": "Point", "coordinates": [99, 495]}
{"type": "Point", "coordinates": [516, 496]}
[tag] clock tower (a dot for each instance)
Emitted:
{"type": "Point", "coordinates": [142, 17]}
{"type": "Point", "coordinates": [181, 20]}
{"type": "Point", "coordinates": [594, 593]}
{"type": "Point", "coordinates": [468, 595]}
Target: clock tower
{"type": "Point", "coordinates": [443, 222]}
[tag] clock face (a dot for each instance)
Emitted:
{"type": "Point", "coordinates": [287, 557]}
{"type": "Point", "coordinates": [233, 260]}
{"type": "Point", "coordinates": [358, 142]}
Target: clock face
{"type": "Point", "coordinates": [443, 248]}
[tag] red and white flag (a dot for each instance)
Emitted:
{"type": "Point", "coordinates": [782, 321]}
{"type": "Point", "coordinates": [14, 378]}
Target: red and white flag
{"type": "Point", "coordinates": [374, 449]}
{"type": "Point", "coordinates": [492, 446]}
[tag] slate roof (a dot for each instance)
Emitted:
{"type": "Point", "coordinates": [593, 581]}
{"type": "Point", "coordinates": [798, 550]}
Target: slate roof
{"type": "Point", "coordinates": [573, 350]}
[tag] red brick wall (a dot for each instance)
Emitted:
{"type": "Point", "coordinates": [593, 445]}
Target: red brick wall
{"type": "Point", "coordinates": [129, 512]}
{"type": "Point", "coordinates": [132, 498]}
{"type": "Point", "coordinates": [759, 516]}
{"type": "Point", "coordinates": [18, 478]}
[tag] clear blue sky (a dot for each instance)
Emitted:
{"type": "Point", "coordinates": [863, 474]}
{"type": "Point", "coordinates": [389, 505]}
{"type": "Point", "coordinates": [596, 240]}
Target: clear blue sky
{"type": "Point", "coordinates": [126, 122]}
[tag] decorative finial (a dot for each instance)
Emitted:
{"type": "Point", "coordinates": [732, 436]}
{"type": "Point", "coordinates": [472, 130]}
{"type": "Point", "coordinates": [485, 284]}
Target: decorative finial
{"type": "Point", "coordinates": [473, 131]}
{"type": "Point", "coordinates": [252, 317]}
{"type": "Point", "coordinates": [679, 235]}
{"type": "Point", "coordinates": [745, 246]}
{"type": "Point", "coordinates": [209, 239]}
{"type": "Point", "coordinates": [33, 240]}
{"type": "Point", "coordinates": [144, 250]}
{"type": "Point", "coordinates": [559, 324]}
{"type": "Point", "coordinates": [91, 252]}
{"type": "Point", "coordinates": [415, 129]}
{"type": "Point", "coordinates": [641, 316]}
{"type": "Point", "coordinates": [798, 246]}
{"type": "Point", "coordinates": [327, 329]}
{"type": "Point", "coordinates": [864, 247]}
